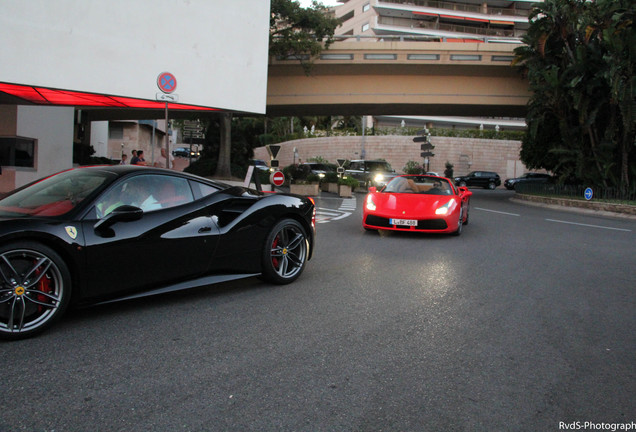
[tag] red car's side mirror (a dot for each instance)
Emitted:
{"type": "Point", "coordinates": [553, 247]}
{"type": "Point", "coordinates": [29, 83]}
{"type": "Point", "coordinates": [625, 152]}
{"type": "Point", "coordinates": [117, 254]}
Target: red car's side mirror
{"type": "Point", "coordinates": [372, 189]}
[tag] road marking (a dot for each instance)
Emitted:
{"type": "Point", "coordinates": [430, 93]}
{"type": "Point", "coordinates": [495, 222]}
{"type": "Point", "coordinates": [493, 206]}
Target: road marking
{"type": "Point", "coordinates": [588, 225]}
{"type": "Point", "coordinates": [495, 211]}
{"type": "Point", "coordinates": [325, 215]}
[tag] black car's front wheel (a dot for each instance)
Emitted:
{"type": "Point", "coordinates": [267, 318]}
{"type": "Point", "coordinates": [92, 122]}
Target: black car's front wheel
{"type": "Point", "coordinates": [285, 253]}
{"type": "Point", "coordinates": [35, 289]}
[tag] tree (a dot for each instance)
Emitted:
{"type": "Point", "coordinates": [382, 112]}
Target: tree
{"type": "Point", "coordinates": [579, 60]}
{"type": "Point", "coordinates": [300, 33]}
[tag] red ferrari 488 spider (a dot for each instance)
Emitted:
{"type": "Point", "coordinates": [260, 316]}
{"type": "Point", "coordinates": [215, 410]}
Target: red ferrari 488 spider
{"type": "Point", "coordinates": [420, 203]}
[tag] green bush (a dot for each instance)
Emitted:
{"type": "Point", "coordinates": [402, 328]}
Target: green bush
{"type": "Point", "coordinates": [293, 173]}
{"type": "Point", "coordinates": [312, 178]}
{"type": "Point", "coordinates": [413, 167]}
{"type": "Point", "coordinates": [202, 167]}
{"type": "Point", "coordinates": [330, 177]}
{"type": "Point", "coordinates": [349, 181]}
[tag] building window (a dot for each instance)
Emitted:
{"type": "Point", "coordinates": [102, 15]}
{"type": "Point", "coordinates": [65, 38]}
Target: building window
{"type": "Point", "coordinates": [422, 57]}
{"type": "Point", "coordinates": [465, 57]}
{"type": "Point", "coordinates": [19, 152]}
{"type": "Point", "coordinates": [366, 7]}
{"type": "Point", "coordinates": [380, 56]}
{"type": "Point", "coordinates": [115, 131]}
{"type": "Point", "coordinates": [365, 27]}
{"type": "Point", "coordinates": [336, 56]}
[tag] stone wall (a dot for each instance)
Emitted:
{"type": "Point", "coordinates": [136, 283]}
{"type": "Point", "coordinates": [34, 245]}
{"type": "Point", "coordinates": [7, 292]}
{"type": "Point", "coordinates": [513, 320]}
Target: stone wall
{"type": "Point", "coordinates": [466, 154]}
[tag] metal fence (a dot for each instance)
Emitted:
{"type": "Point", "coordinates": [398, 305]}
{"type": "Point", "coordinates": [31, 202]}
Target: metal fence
{"type": "Point", "coordinates": [578, 192]}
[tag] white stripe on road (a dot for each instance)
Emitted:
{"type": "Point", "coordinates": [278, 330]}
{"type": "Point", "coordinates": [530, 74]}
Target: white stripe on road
{"type": "Point", "coordinates": [588, 225]}
{"type": "Point", "coordinates": [495, 211]}
{"type": "Point", "coordinates": [344, 215]}
{"type": "Point", "coordinates": [321, 212]}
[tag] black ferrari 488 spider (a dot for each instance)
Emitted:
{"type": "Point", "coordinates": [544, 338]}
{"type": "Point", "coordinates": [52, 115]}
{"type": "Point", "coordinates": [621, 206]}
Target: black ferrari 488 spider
{"type": "Point", "coordinates": [95, 234]}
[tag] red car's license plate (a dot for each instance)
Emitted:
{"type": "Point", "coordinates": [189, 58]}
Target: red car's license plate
{"type": "Point", "coordinates": [408, 222]}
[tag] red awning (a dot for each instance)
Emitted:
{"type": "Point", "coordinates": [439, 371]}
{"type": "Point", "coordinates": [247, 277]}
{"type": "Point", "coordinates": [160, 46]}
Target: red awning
{"type": "Point", "coordinates": [47, 96]}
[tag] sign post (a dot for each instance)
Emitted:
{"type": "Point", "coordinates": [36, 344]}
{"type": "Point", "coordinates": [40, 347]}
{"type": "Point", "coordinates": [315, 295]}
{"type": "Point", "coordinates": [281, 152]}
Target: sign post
{"type": "Point", "coordinates": [167, 83]}
{"type": "Point", "coordinates": [426, 146]}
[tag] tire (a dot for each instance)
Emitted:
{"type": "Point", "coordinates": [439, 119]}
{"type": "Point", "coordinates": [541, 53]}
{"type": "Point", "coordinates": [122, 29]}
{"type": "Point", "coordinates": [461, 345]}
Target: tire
{"type": "Point", "coordinates": [491, 186]}
{"type": "Point", "coordinates": [467, 214]}
{"type": "Point", "coordinates": [460, 225]}
{"type": "Point", "coordinates": [285, 252]}
{"type": "Point", "coordinates": [35, 288]}
{"type": "Point", "coordinates": [462, 183]}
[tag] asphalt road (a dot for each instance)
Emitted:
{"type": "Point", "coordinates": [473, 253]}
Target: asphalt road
{"type": "Point", "coordinates": [526, 322]}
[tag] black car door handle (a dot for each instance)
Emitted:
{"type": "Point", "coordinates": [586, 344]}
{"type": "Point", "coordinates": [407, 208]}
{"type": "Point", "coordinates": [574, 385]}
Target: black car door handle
{"type": "Point", "coordinates": [205, 230]}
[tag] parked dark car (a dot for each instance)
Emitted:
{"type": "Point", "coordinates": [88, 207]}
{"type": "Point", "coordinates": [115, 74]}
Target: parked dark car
{"type": "Point", "coordinates": [259, 164]}
{"type": "Point", "coordinates": [185, 152]}
{"type": "Point", "coordinates": [316, 168]}
{"type": "Point", "coordinates": [370, 172]}
{"type": "Point", "coordinates": [96, 234]}
{"type": "Point", "coordinates": [527, 178]}
{"type": "Point", "coordinates": [485, 179]}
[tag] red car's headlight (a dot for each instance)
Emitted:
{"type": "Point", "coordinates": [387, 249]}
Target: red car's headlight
{"type": "Point", "coordinates": [446, 208]}
{"type": "Point", "coordinates": [370, 204]}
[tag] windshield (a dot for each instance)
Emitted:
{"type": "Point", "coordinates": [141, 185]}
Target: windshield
{"type": "Point", "coordinates": [378, 166]}
{"type": "Point", "coordinates": [419, 185]}
{"type": "Point", "coordinates": [53, 196]}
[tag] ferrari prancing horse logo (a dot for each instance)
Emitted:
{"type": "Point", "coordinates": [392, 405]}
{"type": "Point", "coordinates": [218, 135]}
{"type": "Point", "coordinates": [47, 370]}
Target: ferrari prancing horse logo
{"type": "Point", "coordinates": [71, 231]}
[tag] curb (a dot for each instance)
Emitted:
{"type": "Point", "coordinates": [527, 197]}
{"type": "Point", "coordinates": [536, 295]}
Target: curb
{"type": "Point", "coordinates": [595, 208]}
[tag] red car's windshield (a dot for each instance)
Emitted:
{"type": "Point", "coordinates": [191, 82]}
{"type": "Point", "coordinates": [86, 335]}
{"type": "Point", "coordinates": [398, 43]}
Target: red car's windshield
{"type": "Point", "coordinates": [52, 196]}
{"type": "Point", "coordinates": [418, 184]}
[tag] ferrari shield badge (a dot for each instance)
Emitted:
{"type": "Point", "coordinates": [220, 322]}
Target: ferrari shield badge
{"type": "Point", "coordinates": [71, 231]}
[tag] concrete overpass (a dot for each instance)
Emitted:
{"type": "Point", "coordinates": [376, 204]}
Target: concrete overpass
{"type": "Point", "coordinates": [373, 78]}
{"type": "Point", "coordinates": [401, 78]}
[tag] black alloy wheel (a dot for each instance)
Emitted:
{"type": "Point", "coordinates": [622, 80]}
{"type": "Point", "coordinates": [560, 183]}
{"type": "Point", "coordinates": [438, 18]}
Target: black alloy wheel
{"type": "Point", "coordinates": [35, 287]}
{"type": "Point", "coordinates": [285, 253]}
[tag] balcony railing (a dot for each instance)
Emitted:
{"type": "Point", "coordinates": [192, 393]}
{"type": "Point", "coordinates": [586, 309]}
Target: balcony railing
{"type": "Point", "coordinates": [512, 11]}
{"type": "Point", "coordinates": [431, 25]}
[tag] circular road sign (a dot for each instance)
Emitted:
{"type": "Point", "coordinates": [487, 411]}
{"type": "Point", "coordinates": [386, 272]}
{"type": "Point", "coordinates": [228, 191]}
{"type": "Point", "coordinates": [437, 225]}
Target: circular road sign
{"type": "Point", "coordinates": [277, 178]}
{"type": "Point", "coordinates": [589, 193]}
{"type": "Point", "coordinates": [166, 82]}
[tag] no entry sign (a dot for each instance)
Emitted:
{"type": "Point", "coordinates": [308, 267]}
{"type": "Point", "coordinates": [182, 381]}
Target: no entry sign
{"type": "Point", "coordinates": [277, 178]}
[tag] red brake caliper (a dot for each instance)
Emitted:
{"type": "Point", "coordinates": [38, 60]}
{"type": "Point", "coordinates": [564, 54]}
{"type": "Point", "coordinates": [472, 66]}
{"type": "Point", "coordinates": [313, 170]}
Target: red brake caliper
{"type": "Point", "coordinates": [44, 286]}
{"type": "Point", "coordinates": [274, 245]}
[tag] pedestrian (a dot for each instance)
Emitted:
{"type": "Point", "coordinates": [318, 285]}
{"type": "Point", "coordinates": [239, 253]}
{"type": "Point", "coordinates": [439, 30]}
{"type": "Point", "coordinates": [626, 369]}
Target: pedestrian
{"type": "Point", "coordinates": [161, 160]}
{"type": "Point", "coordinates": [124, 158]}
{"type": "Point", "coordinates": [140, 155]}
{"type": "Point", "coordinates": [135, 159]}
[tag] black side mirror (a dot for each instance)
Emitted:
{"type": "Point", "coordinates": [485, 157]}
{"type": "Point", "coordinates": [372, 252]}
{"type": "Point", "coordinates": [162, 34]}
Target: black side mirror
{"type": "Point", "coordinates": [124, 213]}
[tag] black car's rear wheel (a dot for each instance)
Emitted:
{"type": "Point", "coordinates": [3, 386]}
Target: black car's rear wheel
{"type": "Point", "coordinates": [34, 289]}
{"type": "Point", "coordinates": [285, 253]}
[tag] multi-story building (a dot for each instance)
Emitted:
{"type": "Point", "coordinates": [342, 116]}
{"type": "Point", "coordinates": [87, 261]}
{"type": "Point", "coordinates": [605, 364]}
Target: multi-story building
{"type": "Point", "coordinates": [441, 21]}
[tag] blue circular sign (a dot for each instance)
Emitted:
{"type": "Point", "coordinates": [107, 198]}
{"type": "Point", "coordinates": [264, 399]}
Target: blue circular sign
{"type": "Point", "coordinates": [166, 82]}
{"type": "Point", "coordinates": [589, 193]}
